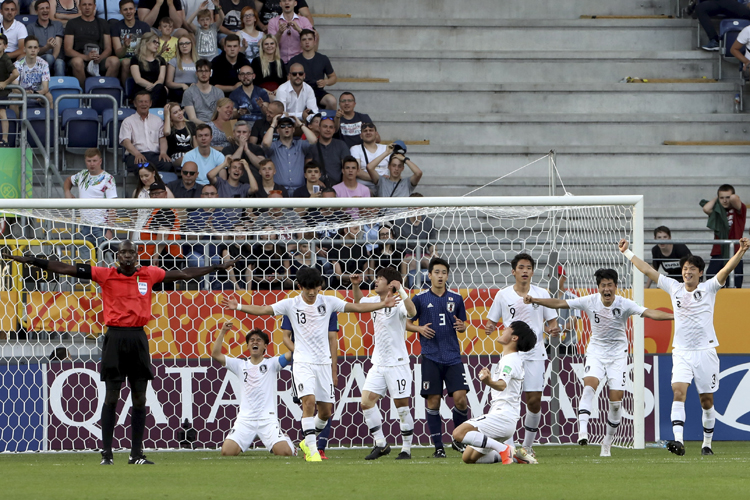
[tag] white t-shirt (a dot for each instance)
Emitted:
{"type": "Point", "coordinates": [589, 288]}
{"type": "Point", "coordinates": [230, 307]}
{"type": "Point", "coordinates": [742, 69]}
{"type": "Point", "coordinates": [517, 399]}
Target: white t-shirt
{"type": "Point", "coordinates": [608, 324]}
{"type": "Point", "coordinates": [390, 334]}
{"type": "Point", "coordinates": [258, 398]}
{"type": "Point", "coordinates": [310, 325]}
{"type": "Point", "coordinates": [94, 187]}
{"type": "Point", "coordinates": [744, 39]}
{"type": "Point", "coordinates": [253, 44]}
{"type": "Point", "coordinates": [356, 151]}
{"type": "Point", "coordinates": [510, 370]}
{"type": "Point", "coordinates": [509, 306]}
{"type": "Point", "coordinates": [693, 313]}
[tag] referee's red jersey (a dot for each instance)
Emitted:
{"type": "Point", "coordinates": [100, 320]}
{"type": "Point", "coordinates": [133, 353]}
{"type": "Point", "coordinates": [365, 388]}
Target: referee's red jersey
{"type": "Point", "coordinates": [127, 299]}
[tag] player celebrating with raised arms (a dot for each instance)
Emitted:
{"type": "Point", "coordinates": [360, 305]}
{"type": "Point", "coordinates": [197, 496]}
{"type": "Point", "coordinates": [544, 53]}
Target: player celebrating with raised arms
{"type": "Point", "coordinates": [509, 306]}
{"type": "Point", "coordinates": [314, 347]}
{"type": "Point", "coordinates": [484, 436]}
{"type": "Point", "coordinates": [390, 361]}
{"type": "Point", "coordinates": [694, 344]}
{"type": "Point", "coordinates": [126, 297]}
{"type": "Point", "coordinates": [607, 352]}
{"type": "Point", "coordinates": [441, 313]}
{"type": "Point", "coordinates": [258, 376]}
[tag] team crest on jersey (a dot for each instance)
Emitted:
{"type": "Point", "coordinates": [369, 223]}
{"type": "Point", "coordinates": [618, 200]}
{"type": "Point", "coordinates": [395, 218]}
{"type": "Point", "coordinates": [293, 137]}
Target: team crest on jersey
{"type": "Point", "coordinates": [142, 287]}
{"type": "Point", "coordinates": [616, 312]}
{"type": "Point", "coordinates": [535, 306]}
{"type": "Point", "coordinates": [263, 368]}
{"type": "Point", "coordinates": [426, 386]}
{"type": "Point", "coordinates": [697, 295]}
{"type": "Point", "coordinates": [451, 306]}
{"type": "Point", "coordinates": [322, 309]}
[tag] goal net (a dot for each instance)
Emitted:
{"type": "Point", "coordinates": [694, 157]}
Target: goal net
{"type": "Point", "coordinates": [51, 329]}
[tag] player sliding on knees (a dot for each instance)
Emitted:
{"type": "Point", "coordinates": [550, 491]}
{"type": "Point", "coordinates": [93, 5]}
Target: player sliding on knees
{"type": "Point", "coordinates": [607, 352]}
{"type": "Point", "coordinates": [484, 436]}
{"type": "Point", "coordinates": [314, 347]}
{"type": "Point", "coordinates": [257, 416]}
{"type": "Point", "coordinates": [390, 361]}
{"type": "Point", "coordinates": [694, 345]}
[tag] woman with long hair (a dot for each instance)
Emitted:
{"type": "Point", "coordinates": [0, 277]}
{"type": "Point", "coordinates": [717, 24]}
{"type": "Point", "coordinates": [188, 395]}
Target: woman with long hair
{"type": "Point", "coordinates": [270, 72]}
{"type": "Point", "coordinates": [180, 133]}
{"type": "Point", "coordinates": [149, 70]}
{"type": "Point", "coordinates": [147, 175]}
{"type": "Point", "coordinates": [181, 68]}
{"type": "Point", "coordinates": [220, 123]}
{"type": "Point", "coordinates": [250, 37]}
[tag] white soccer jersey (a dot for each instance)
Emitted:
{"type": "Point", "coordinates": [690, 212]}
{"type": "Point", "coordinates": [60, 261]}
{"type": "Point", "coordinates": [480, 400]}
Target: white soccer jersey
{"type": "Point", "coordinates": [310, 325]}
{"type": "Point", "coordinates": [608, 324]}
{"type": "Point", "coordinates": [258, 398]}
{"type": "Point", "coordinates": [509, 306]}
{"type": "Point", "coordinates": [510, 370]}
{"type": "Point", "coordinates": [390, 334]}
{"type": "Point", "coordinates": [693, 313]}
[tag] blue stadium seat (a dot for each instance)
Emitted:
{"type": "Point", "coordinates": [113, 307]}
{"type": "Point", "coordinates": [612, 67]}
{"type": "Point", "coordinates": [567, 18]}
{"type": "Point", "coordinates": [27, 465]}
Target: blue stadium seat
{"type": "Point", "coordinates": [26, 19]}
{"type": "Point", "coordinates": [158, 112]}
{"type": "Point", "coordinates": [65, 85]}
{"type": "Point", "coordinates": [103, 85]}
{"type": "Point", "coordinates": [110, 138]}
{"type": "Point", "coordinates": [80, 131]}
{"type": "Point", "coordinates": [728, 31]}
{"type": "Point", "coordinates": [36, 118]}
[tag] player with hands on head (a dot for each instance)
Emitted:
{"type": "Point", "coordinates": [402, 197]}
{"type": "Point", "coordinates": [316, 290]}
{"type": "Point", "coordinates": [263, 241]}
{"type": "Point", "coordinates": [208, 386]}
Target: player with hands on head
{"type": "Point", "coordinates": [607, 352]}
{"type": "Point", "coordinates": [485, 435]}
{"type": "Point", "coordinates": [390, 369]}
{"type": "Point", "coordinates": [694, 343]}
{"type": "Point", "coordinates": [258, 376]}
{"type": "Point", "coordinates": [314, 347]}
{"type": "Point", "coordinates": [508, 305]}
{"type": "Point", "coordinates": [126, 298]}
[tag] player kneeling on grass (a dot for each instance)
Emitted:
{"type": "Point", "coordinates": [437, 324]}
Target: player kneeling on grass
{"type": "Point", "coordinates": [390, 361]}
{"type": "Point", "coordinates": [484, 436]}
{"type": "Point", "coordinates": [257, 417]}
{"type": "Point", "coordinates": [607, 352]}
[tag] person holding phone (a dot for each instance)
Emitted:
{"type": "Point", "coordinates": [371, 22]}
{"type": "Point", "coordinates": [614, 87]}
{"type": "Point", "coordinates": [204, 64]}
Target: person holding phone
{"type": "Point", "coordinates": [312, 187]}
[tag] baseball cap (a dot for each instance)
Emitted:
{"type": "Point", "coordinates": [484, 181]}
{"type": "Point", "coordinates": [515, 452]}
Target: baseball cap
{"type": "Point", "coordinates": [157, 186]}
{"type": "Point", "coordinates": [285, 119]}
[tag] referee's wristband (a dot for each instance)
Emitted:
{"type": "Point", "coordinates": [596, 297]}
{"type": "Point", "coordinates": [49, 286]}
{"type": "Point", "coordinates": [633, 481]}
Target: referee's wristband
{"type": "Point", "coordinates": [628, 254]}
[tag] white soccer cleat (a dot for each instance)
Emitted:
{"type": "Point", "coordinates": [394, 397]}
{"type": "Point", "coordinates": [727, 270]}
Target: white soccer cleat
{"type": "Point", "coordinates": [525, 456]}
{"type": "Point", "coordinates": [606, 450]}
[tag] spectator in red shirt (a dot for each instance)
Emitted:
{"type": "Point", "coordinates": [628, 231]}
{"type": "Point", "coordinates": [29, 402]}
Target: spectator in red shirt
{"type": "Point", "coordinates": [727, 219]}
{"type": "Point", "coordinates": [126, 295]}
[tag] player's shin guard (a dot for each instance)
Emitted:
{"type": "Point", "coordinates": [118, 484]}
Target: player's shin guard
{"type": "Point", "coordinates": [709, 420]}
{"type": "Point", "coordinates": [531, 424]}
{"type": "Point", "coordinates": [436, 427]}
{"type": "Point", "coordinates": [614, 417]}
{"type": "Point", "coordinates": [137, 427]}
{"type": "Point", "coordinates": [308, 431]}
{"type": "Point", "coordinates": [324, 435]}
{"type": "Point", "coordinates": [459, 416]}
{"type": "Point", "coordinates": [584, 411]}
{"type": "Point", "coordinates": [319, 424]}
{"type": "Point", "coordinates": [407, 428]}
{"type": "Point", "coordinates": [109, 415]}
{"type": "Point", "coordinates": [375, 424]}
{"type": "Point", "coordinates": [479, 440]}
{"type": "Point", "coordinates": [678, 419]}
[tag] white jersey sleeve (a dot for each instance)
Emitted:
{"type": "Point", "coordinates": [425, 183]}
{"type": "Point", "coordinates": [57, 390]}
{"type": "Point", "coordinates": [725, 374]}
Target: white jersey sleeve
{"type": "Point", "coordinates": [580, 303]}
{"type": "Point", "coordinates": [234, 365]}
{"type": "Point", "coordinates": [549, 313]}
{"type": "Point", "coordinates": [335, 303]}
{"type": "Point", "coordinates": [632, 308]}
{"type": "Point", "coordinates": [496, 310]}
{"type": "Point", "coordinates": [668, 284]}
{"type": "Point", "coordinates": [283, 307]}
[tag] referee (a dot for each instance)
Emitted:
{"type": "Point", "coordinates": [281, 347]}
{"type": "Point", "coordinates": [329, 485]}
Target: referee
{"type": "Point", "coordinates": [126, 296]}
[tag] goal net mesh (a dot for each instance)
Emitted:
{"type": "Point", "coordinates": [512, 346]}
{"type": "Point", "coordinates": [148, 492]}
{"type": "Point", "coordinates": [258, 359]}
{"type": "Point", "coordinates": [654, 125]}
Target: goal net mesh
{"type": "Point", "coordinates": [54, 404]}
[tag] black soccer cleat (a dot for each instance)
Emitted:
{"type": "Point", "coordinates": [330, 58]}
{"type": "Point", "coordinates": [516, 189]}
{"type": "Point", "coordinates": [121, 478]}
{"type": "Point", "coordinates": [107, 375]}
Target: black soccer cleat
{"type": "Point", "coordinates": [107, 458]}
{"type": "Point", "coordinates": [583, 442]}
{"type": "Point", "coordinates": [139, 460]}
{"type": "Point", "coordinates": [439, 453]}
{"type": "Point", "coordinates": [706, 451]}
{"type": "Point", "coordinates": [459, 447]}
{"type": "Point", "coordinates": [404, 455]}
{"type": "Point", "coordinates": [676, 447]}
{"type": "Point", "coordinates": [378, 452]}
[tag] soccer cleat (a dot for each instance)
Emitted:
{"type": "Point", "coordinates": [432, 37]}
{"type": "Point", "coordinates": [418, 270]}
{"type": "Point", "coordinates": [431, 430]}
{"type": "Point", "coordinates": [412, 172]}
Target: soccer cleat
{"type": "Point", "coordinates": [107, 458]}
{"type": "Point", "coordinates": [404, 455]}
{"type": "Point", "coordinates": [606, 450]}
{"type": "Point", "coordinates": [439, 453]}
{"type": "Point", "coordinates": [315, 457]}
{"type": "Point", "coordinates": [583, 442]}
{"type": "Point", "coordinates": [305, 449]}
{"type": "Point", "coordinates": [525, 456]}
{"type": "Point", "coordinates": [706, 451]}
{"type": "Point", "coordinates": [459, 447]}
{"type": "Point", "coordinates": [139, 460]}
{"type": "Point", "coordinates": [676, 447]}
{"type": "Point", "coordinates": [507, 455]}
{"type": "Point", "coordinates": [323, 454]}
{"type": "Point", "coordinates": [378, 452]}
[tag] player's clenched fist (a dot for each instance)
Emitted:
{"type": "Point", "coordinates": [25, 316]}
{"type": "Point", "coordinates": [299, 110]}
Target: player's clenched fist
{"type": "Point", "coordinates": [484, 374]}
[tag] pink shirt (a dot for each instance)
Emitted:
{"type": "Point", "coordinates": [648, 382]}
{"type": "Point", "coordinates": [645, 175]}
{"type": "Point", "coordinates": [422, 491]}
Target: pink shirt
{"type": "Point", "coordinates": [361, 191]}
{"type": "Point", "coordinates": [289, 42]}
{"type": "Point", "coordinates": [144, 134]}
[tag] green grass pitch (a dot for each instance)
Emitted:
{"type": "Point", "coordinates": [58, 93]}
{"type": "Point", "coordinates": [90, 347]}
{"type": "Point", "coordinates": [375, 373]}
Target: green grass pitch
{"type": "Point", "coordinates": [564, 472]}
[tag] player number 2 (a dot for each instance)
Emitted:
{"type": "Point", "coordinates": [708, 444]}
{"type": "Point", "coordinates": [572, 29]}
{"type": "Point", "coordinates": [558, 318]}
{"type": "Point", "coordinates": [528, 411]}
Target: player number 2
{"type": "Point", "coordinates": [442, 320]}
{"type": "Point", "coordinates": [301, 318]}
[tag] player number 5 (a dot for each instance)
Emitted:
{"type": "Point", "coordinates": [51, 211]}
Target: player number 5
{"type": "Point", "coordinates": [596, 318]}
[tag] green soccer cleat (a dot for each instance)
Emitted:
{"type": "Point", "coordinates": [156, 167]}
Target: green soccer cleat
{"type": "Point", "coordinates": [315, 457]}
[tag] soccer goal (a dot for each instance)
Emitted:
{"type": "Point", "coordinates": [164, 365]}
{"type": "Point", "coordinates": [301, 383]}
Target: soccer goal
{"type": "Point", "coordinates": [51, 327]}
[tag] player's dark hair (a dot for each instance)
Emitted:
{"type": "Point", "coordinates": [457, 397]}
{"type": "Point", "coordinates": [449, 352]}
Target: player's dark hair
{"type": "Point", "coordinates": [605, 274]}
{"type": "Point", "coordinates": [663, 229]}
{"type": "Point", "coordinates": [260, 333]}
{"type": "Point", "coordinates": [522, 256]}
{"type": "Point", "coordinates": [695, 260]}
{"type": "Point", "coordinates": [526, 336]}
{"type": "Point", "coordinates": [725, 187]}
{"type": "Point", "coordinates": [309, 278]}
{"type": "Point", "coordinates": [437, 261]}
{"type": "Point", "coordinates": [389, 273]}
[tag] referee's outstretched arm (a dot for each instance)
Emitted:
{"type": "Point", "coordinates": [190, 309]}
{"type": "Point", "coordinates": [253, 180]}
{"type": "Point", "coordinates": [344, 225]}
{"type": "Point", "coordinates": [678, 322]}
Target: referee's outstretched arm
{"type": "Point", "coordinates": [195, 272]}
{"type": "Point", "coordinates": [52, 266]}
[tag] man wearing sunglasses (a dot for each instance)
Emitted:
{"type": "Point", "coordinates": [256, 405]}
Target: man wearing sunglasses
{"type": "Point", "coordinates": [187, 187]}
{"type": "Point", "coordinates": [319, 72]}
{"type": "Point", "coordinates": [296, 95]}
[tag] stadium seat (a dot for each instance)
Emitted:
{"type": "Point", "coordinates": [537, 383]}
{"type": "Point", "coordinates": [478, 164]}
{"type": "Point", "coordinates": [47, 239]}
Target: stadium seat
{"type": "Point", "coordinates": [157, 111]}
{"type": "Point", "coordinates": [12, 128]}
{"type": "Point", "coordinates": [103, 85]}
{"type": "Point", "coordinates": [729, 29]}
{"type": "Point", "coordinates": [59, 85]}
{"type": "Point", "coordinates": [26, 19]}
{"type": "Point", "coordinates": [36, 118]}
{"type": "Point", "coordinates": [80, 131]}
{"type": "Point", "coordinates": [109, 136]}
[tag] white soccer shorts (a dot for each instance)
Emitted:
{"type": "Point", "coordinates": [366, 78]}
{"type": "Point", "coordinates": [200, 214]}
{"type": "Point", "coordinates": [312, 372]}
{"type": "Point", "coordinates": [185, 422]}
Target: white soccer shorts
{"type": "Point", "coordinates": [246, 430]}
{"type": "Point", "coordinates": [497, 425]}
{"type": "Point", "coordinates": [396, 379]}
{"type": "Point", "coordinates": [315, 380]}
{"type": "Point", "coordinates": [703, 366]}
{"type": "Point", "coordinates": [615, 370]}
{"type": "Point", "coordinates": [533, 375]}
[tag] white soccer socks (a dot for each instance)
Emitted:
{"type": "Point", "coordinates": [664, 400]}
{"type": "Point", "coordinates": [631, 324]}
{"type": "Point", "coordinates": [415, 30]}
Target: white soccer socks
{"type": "Point", "coordinates": [614, 416]}
{"type": "Point", "coordinates": [320, 425]}
{"type": "Point", "coordinates": [492, 457]}
{"type": "Point", "coordinates": [678, 419]}
{"type": "Point", "coordinates": [531, 424]}
{"type": "Point", "coordinates": [479, 440]}
{"type": "Point", "coordinates": [709, 420]}
{"type": "Point", "coordinates": [407, 428]}
{"type": "Point", "coordinates": [375, 424]}
{"type": "Point", "coordinates": [584, 412]}
{"type": "Point", "coordinates": [308, 430]}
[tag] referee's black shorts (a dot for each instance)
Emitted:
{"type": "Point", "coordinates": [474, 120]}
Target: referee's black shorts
{"type": "Point", "coordinates": [125, 354]}
{"type": "Point", "coordinates": [434, 374]}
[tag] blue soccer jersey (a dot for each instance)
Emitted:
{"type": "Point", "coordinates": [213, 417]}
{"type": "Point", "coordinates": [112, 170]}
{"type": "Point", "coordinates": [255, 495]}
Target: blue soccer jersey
{"type": "Point", "coordinates": [440, 312]}
{"type": "Point", "coordinates": [333, 324]}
